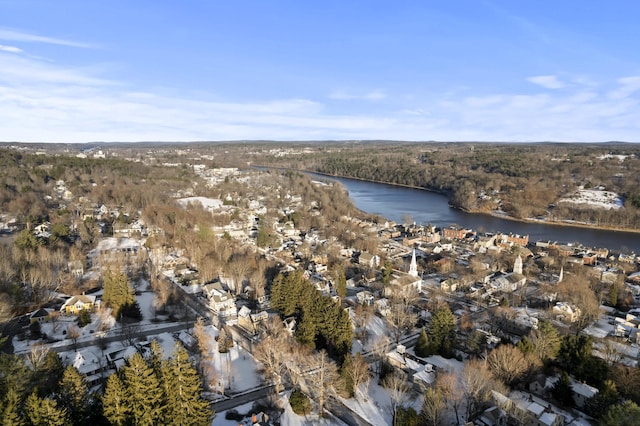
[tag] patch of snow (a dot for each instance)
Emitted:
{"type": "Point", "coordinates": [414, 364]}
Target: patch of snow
{"type": "Point", "coordinates": [595, 198]}
{"type": "Point", "coordinates": [206, 203]}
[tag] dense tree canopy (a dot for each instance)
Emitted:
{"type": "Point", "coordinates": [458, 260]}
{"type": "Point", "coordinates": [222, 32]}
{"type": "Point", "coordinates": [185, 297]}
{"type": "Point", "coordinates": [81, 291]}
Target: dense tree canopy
{"type": "Point", "coordinates": [321, 322]}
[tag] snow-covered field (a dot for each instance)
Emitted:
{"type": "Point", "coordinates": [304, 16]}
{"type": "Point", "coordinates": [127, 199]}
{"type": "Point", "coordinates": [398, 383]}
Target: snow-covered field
{"type": "Point", "coordinates": [595, 198]}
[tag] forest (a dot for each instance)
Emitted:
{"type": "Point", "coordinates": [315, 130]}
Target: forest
{"type": "Point", "coordinates": [523, 180]}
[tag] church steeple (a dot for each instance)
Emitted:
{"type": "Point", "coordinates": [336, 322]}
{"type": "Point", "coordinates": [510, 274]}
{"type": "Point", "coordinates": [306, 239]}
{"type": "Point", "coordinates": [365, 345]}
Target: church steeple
{"type": "Point", "coordinates": [413, 268]}
{"type": "Point", "coordinates": [517, 265]}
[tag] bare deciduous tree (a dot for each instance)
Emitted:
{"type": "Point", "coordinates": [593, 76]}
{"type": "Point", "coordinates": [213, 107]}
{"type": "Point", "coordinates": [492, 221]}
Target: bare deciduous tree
{"type": "Point", "coordinates": [37, 355]}
{"type": "Point", "coordinates": [477, 384]}
{"type": "Point", "coordinates": [204, 343]}
{"type": "Point", "coordinates": [451, 388]}
{"type": "Point", "coordinates": [129, 332]}
{"type": "Point", "coordinates": [433, 405]}
{"type": "Point", "coordinates": [73, 333]}
{"type": "Point", "coordinates": [509, 365]}
{"type": "Point", "coordinates": [401, 315]}
{"type": "Point", "coordinates": [273, 352]}
{"type": "Point", "coordinates": [323, 380]}
{"type": "Point", "coordinates": [361, 318]}
{"type": "Point", "coordinates": [379, 350]}
{"type": "Point", "coordinates": [398, 387]}
{"type": "Point", "coordinates": [359, 373]}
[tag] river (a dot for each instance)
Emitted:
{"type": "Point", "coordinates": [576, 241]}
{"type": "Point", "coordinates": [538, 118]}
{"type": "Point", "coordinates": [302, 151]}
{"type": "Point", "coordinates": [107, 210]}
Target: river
{"type": "Point", "coordinates": [397, 203]}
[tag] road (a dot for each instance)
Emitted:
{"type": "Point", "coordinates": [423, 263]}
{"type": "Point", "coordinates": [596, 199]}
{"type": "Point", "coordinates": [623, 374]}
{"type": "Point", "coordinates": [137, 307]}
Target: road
{"type": "Point", "coordinates": [118, 337]}
{"type": "Point", "coordinates": [243, 398]}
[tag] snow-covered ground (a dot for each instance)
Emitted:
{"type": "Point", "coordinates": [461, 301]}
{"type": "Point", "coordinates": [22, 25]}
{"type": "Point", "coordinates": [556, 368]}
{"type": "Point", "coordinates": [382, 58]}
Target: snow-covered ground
{"type": "Point", "coordinates": [374, 407]}
{"type": "Point", "coordinates": [595, 198]}
{"type": "Point", "coordinates": [206, 203]}
{"type": "Point", "coordinates": [236, 369]}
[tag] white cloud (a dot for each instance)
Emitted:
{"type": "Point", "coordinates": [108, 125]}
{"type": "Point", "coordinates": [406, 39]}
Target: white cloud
{"type": "Point", "coordinates": [547, 81]}
{"type": "Point", "coordinates": [14, 35]}
{"type": "Point", "coordinates": [44, 101]}
{"type": "Point", "coordinates": [627, 86]}
{"type": "Point", "coordinates": [16, 70]}
{"type": "Point", "coordinates": [10, 49]}
{"type": "Point", "coordinates": [374, 95]}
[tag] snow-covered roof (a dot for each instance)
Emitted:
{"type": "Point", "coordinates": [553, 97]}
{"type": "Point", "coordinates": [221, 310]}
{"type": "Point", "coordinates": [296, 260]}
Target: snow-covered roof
{"type": "Point", "coordinates": [584, 389]}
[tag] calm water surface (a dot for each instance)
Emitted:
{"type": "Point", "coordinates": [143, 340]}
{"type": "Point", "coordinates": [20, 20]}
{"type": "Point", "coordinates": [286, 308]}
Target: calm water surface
{"type": "Point", "coordinates": [425, 207]}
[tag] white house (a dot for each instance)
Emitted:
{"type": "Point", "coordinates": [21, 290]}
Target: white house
{"type": "Point", "coordinates": [565, 312]}
{"type": "Point", "coordinates": [221, 302]}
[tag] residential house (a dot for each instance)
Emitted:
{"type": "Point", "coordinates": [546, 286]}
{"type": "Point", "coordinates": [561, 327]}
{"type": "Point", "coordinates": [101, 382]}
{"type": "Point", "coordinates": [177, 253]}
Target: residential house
{"type": "Point", "coordinates": [582, 392]}
{"type": "Point", "coordinates": [382, 307]}
{"type": "Point", "coordinates": [40, 315]}
{"type": "Point", "coordinates": [424, 377]}
{"type": "Point", "coordinates": [528, 410]}
{"type": "Point", "coordinates": [75, 304]}
{"type": "Point", "coordinates": [448, 286]}
{"type": "Point", "coordinates": [365, 298]}
{"type": "Point", "coordinates": [251, 322]}
{"type": "Point", "coordinates": [610, 275]}
{"type": "Point", "coordinates": [290, 325]}
{"type": "Point", "coordinates": [76, 268]}
{"type": "Point", "coordinates": [221, 302]}
{"type": "Point", "coordinates": [369, 260]}
{"type": "Point", "coordinates": [187, 340]}
{"type": "Point", "coordinates": [113, 249]}
{"type": "Point", "coordinates": [492, 416]}
{"type": "Point", "coordinates": [565, 312]}
{"type": "Point", "coordinates": [118, 358]}
{"type": "Point", "coordinates": [42, 230]}
{"type": "Point", "coordinates": [89, 364]}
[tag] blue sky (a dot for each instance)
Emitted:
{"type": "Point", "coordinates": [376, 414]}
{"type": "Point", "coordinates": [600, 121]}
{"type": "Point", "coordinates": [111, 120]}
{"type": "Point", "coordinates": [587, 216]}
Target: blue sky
{"type": "Point", "coordinates": [140, 70]}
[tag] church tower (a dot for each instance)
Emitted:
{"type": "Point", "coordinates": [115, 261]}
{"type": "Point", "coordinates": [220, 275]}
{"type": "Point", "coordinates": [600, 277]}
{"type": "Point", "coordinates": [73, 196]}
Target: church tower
{"type": "Point", "coordinates": [517, 265]}
{"type": "Point", "coordinates": [413, 268]}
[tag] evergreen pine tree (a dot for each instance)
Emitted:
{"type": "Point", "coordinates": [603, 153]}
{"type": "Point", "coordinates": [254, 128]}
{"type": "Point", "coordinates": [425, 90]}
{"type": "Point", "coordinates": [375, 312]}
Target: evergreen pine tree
{"type": "Point", "coordinates": [278, 293]}
{"type": "Point", "coordinates": [441, 331]}
{"type": "Point", "coordinates": [386, 272]}
{"type": "Point", "coordinates": [114, 402]}
{"type": "Point", "coordinates": [422, 345]}
{"type": "Point", "coordinates": [563, 391]}
{"type": "Point", "coordinates": [525, 346]}
{"type": "Point", "coordinates": [599, 404]}
{"type": "Point", "coordinates": [14, 374]}
{"type": "Point", "coordinates": [156, 358]}
{"type": "Point", "coordinates": [343, 333]}
{"type": "Point", "coordinates": [45, 411]}
{"type": "Point", "coordinates": [144, 393]}
{"type": "Point", "coordinates": [74, 395]}
{"type": "Point", "coordinates": [11, 410]}
{"type": "Point", "coordinates": [50, 374]}
{"type": "Point", "coordinates": [117, 292]}
{"type": "Point", "coordinates": [306, 332]}
{"type": "Point", "coordinates": [347, 377]}
{"type": "Point", "coordinates": [186, 407]}
{"type": "Point", "coordinates": [341, 282]}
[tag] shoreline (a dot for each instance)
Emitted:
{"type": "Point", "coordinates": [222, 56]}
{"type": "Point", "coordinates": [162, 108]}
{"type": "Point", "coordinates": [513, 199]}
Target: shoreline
{"type": "Point", "coordinates": [492, 213]}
